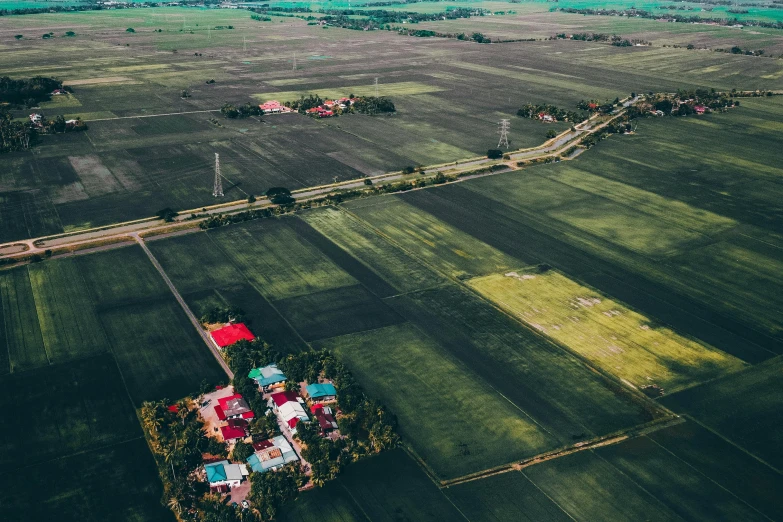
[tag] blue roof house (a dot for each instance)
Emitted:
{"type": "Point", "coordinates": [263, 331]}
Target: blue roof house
{"type": "Point", "coordinates": [267, 376]}
{"type": "Point", "coordinates": [321, 392]}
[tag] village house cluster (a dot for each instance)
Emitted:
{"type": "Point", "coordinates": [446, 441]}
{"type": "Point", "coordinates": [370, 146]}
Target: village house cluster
{"type": "Point", "coordinates": [231, 417]}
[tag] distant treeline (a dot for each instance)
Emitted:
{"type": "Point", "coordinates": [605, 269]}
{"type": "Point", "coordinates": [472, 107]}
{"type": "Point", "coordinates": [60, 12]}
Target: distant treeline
{"type": "Point", "coordinates": [641, 13]}
{"type": "Point", "coordinates": [96, 7]}
{"type": "Point", "coordinates": [616, 40]}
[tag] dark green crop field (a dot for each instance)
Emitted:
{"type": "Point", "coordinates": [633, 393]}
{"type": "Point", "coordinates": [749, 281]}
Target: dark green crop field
{"type": "Point", "coordinates": [79, 405]}
{"type": "Point", "coordinates": [744, 407]}
{"type": "Point", "coordinates": [596, 339]}
{"type": "Point", "coordinates": [389, 487]}
{"type": "Point", "coordinates": [147, 148]}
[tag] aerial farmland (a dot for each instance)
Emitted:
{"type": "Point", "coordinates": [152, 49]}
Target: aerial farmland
{"type": "Point", "coordinates": [447, 261]}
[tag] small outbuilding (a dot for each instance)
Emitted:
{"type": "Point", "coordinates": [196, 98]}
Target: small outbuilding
{"type": "Point", "coordinates": [224, 473]}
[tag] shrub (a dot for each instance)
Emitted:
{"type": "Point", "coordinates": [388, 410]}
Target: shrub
{"type": "Point", "coordinates": [494, 154]}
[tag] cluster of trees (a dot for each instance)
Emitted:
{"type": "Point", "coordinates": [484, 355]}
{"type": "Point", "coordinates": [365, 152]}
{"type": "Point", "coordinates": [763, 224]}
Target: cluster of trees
{"type": "Point", "coordinates": [15, 135]}
{"type": "Point", "coordinates": [365, 20]}
{"type": "Point", "coordinates": [530, 110]}
{"type": "Point", "coordinates": [366, 425]}
{"type": "Point", "coordinates": [223, 314]}
{"type": "Point", "coordinates": [243, 111]}
{"type": "Point", "coordinates": [304, 103]}
{"type": "Point", "coordinates": [177, 441]}
{"type": "Point", "coordinates": [739, 50]}
{"type": "Point", "coordinates": [597, 106]}
{"type": "Point", "coordinates": [692, 19]}
{"type": "Point", "coordinates": [28, 92]}
{"type": "Point", "coordinates": [373, 105]}
{"type": "Point", "coordinates": [613, 39]}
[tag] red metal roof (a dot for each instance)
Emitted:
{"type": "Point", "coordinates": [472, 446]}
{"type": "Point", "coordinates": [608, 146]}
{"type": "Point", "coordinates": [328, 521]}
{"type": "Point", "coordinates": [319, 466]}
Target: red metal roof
{"type": "Point", "coordinates": [248, 415]}
{"type": "Point", "coordinates": [315, 407]}
{"type": "Point", "coordinates": [232, 333]}
{"type": "Point", "coordinates": [292, 422]}
{"type": "Point", "coordinates": [281, 398]}
{"type": "Point", "coordinates": [232, 433]}
{"type": "Point", "coordinates": [223, 400]}
{"type": "Point", "coordinates": [219, 413]}
{"type": "Point", "coordinates": [174, 408]}
{"type": "Point", "coordinates": [237, 423]}
{"type": "Point", "coordinates": [258, 446]}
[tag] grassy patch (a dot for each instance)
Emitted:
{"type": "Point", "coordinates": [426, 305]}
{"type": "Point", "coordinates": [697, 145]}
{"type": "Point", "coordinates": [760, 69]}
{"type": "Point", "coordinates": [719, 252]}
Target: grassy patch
{"type": "Point", "coordinates": [24, 343]}
{"type": "Point", "coordinates": [443, 247]}
{"type": "Point", "coordinates": [158, 351]}
{"type": "Point", "coordinates": [395, 266]}
{"type": "Point", "coordinates": [70, 407]}
{"type": "Point", "coordinates": [435, 396]}
{"type": "Point", "coordinates": [509, 496]}
{"type": "Point", "coordinates": [69, 326]}
{"type": "Point", "coordinates": [279, 262]}
{"type": "Point", "coordinates": [607, 333]}
{"type": "Point", "coordinates": [552, 387]}
{"type": "Point", "coordinates": [744, 407]}
{"type": "Point", "coordinates": [386, 487]}
{"type": "Point", "coordinates": [116, 483]}
{"type": "Point", "coordinates": [336, 312]}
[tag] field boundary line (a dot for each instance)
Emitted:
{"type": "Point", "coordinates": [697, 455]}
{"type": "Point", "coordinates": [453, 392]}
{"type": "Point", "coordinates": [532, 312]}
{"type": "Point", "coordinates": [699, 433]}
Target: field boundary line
{"type": "Point", "coordinates": [185, 307]}
{"type": "Point", "coordinates": [603, 440]}
{"type": "Point", "coordinates": [353, 499]}
{"type": "Point", "coordinates": [689, 465]}
{"type": "Point", "coordinates": [635, 483]}
{"type": "Point", "coordinates": [81, 452]}
{"type": "Point", "coordinates": [726, 439]}
{"type": "Point", "coordinates": [38, 316]}
{"type": "Point", "coordinates": [553, 501]}
{"type": "Point", "coordinates": [260, 293]}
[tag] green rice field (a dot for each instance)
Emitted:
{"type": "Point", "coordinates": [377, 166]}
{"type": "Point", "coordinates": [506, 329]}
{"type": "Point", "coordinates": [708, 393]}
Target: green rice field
{"type": "Point", "coordinates": [593, 339]}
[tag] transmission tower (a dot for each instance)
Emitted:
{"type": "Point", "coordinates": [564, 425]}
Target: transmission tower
{"type": "Point", "coordinates": [503, 128]}
{"type": "Point", "coordinates": [217, 189]}
{"type": "Point", "coordinates": [294, 61]}
{"type": "Point", "coordinates": [376, 87]}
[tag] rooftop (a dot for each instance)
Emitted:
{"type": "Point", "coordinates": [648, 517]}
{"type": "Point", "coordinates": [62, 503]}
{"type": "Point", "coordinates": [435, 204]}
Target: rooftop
{"type": "Point", "coordinates": [317, 391]}
{"type": "Point", "coordinates": [267, 375]}
{"type": "Point", "coordinates": [231, 334]}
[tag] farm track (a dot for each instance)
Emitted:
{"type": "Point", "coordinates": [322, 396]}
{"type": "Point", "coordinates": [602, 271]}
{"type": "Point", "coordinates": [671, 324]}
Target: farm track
{"type": "Point", "coordinates": [185, 307]}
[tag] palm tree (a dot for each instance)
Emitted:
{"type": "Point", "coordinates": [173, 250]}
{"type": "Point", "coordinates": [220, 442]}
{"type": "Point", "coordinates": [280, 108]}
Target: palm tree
{"type": "Point", "coordinates": [175, 505]}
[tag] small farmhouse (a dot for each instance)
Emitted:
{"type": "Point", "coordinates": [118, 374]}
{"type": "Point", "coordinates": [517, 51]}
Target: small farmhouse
{"type": "Point", "coordinates": [224, 473]}
{"type": "Point", "coordinates": [233, 407]}
{"type": "Point", "coordinates": [321, 392]}
{"type": "Point", "coordinates": [273, 107]}
{"type": "Point", "coordinates": [271, 454]}
{"type": "Point", "coordinates": [289, 407]}
{"type": "Point", "coordinates": [267, 376]}
{"type": "Point", "coordinates": [230, 334]}
{"type": "Point", "coordinates": [235, 430]}
{"type": "Point", "coordinates": [325, 417]}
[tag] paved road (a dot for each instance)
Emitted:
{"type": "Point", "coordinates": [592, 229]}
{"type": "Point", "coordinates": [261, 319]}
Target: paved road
{"type": "Point", "coordinates": [152, 115]}
{"type": "Point", "coordinates": [196, 324]}
{"type": "Point", "coordinates": [131, 229]}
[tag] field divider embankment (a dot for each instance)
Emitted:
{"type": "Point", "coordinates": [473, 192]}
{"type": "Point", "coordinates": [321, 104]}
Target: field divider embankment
{"type": "Point", "coordinates": [196, 324]}
{"type": "Point", "coordinates": [604, 440]}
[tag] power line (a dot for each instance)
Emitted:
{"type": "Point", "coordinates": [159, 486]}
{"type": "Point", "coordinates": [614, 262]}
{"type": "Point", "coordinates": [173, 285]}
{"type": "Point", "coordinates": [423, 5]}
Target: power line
{"type": "Point", "coordinates": [503, 128]}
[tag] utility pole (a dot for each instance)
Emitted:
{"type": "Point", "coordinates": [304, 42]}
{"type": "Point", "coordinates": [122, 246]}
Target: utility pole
{"type": "Point", "coordinates": [503, 128]}
{"type": "Point", "coordinates": [244, 44]}
{"type": "Point", "coordinates": [209, 33]}
{"type": "Point", "coordinates": [294, 61]}
{"type": "Point", "coordinates": [376, 87]}
{"type": "Point", "coordinates": [217, 190]}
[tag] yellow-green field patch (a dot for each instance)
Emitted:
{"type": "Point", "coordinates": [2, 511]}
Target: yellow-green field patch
{"type": "Point", "coordinates": [386, 89]}
{"type": "Point", "coordinates": [61, 101]}
{"type": "Point", "coordinates": [613, 337]}
{"type": "Point", "coordinates": [100, 81]}
{"type": "Point", "coordinates": [131, 68]}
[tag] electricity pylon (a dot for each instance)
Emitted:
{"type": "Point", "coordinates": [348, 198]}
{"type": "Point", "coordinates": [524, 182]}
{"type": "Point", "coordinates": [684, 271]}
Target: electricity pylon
{"type": "Point", "coordinates": [503, 128]}
{"type": "Point", "coordinates": [217, 188]}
